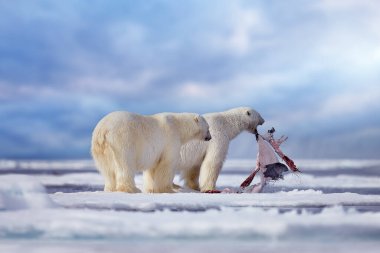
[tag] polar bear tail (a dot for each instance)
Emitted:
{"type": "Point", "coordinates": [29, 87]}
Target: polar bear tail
{"type": "Point", "coordinates": [98, 144]}
{"type": "Point", "coordinates": [104, 158]}
{"type": "Point", "coordinates": [99, 149]}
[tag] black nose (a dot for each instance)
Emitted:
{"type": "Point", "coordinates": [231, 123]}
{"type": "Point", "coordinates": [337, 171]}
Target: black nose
{"type": "Point", "coordinates": [208, 138]}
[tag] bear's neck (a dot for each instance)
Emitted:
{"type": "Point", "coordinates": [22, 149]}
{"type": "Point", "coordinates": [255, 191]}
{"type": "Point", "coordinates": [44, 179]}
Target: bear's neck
{"type": "Point", "coordinates": [235, 125]}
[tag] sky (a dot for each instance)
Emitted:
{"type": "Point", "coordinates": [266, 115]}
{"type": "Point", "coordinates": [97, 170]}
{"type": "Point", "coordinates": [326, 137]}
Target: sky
{"type": "Point", "coordinates": [311, 68]}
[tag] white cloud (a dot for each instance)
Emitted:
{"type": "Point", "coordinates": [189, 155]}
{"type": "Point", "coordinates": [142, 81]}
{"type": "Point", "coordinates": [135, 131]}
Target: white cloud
{"type": "Point", "coordinates": [237, 29]}
{"type": "Point", "coordinates": [346, 5]}
{"type": "Point", "coordinates": [11, 91]}
{"type": "Point", "coordinates": [261, 55]}
{"type": "Point", "coordinates": [100, 83]}
{"type": "Point", "coordinates": [195, 90]}
{"type": "Point", "coordinates": [350, 41]}
{"type": "Point", "coordinates": [348, 51]}
{"type": "Point", "coordinates": [350, 102]}
{"type": "Point", "coordinates": [242, 88]}
{"type": "Point", "coordinates": [240, 38]}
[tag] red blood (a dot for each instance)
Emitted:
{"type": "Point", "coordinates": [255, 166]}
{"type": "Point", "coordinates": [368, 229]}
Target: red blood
{"type": "Point", "coordinates": [290, 163]}
{"type": "Point", "coordinates": [249, 179]}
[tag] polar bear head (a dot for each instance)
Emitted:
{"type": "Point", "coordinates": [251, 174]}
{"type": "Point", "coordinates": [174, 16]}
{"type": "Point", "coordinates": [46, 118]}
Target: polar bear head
{"type": "Point", "coordinates": [204, 132]}
{"type": "Point", "coordinates": [248, 118]}
{"type": "Point", "coordinates": [192, 126]}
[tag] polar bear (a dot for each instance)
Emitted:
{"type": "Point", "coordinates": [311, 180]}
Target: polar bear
{"type": "Point", "coordinates": [124, 143]}
{"type": "Point", "coordinates": [201, 161]}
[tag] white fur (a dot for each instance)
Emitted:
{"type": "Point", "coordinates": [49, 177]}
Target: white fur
{"type": "Point", "coordinates": [202, 161]}
{"type": "Point", "coordinates": [124, 143]}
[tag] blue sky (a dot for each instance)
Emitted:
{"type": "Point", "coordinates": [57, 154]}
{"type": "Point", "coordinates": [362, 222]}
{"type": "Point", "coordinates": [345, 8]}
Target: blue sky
{"type": "Point", "coordinates": [311, 68]}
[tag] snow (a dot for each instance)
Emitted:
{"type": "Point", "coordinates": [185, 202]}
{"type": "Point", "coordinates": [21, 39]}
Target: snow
{"type": "Point", "coordinates": [22, 192]}
{"type": "Point", "coordinates": [305, 164]}
{"type": "Point", "coordinates": [246, 223]}
{"type": "Point", "coordinates": [187, 246]}
{"type": "Point", "coordinates": [226, 230]}
{"type": "Point", "coordinates": [51, 206]}
{"type": "Point", "coordinates": [340, 181]}
{"type": "Point", "coordinates": [200, 202]}
{"type": "Point", "coordinates": [224, 180]}
{"type": "Point", "coordinates": [46, 164]}
{"type": "Point", "coordinates": [246, 164]}
{"type": "Point", "coordinates": [305, 180]}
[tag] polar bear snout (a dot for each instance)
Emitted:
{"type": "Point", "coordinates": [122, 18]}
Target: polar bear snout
{"type": "Point", "coordinates": [208, 136]}
{"type": "Point", "coordinates": [204, 128]}
{"type": "Point", "coordinates": [257, 121]}
{"type": "Point", "coordinates": [261, 120]}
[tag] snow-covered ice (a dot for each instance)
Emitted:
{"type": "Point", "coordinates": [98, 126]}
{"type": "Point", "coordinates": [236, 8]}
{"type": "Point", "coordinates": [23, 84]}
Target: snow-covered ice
{"type": "Point", "coordinates": [200, 202]}
{"type": "Point", "coordinates": [245, 224]}
{"type": "Point", "coordinates": [22, 192]}
{"type": "Point", "coordinates": [58, 206]}
{"type": "Point", "coordinates": [290, 180]}
{"type": "Point", "coordinates": [304, 164]}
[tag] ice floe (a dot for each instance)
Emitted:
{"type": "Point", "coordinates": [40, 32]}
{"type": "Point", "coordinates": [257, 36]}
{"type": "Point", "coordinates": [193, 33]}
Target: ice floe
{"type": "Point", "coordinates": [230, 164]}
{"type": "Point", "coordinates": [246, 224]}
{"type": "Point", "coordinates": [22, 192]}
{"type": "Point", "coordinates": [226, 180]}
{"type": "Point", "coordinates": [201, 202]}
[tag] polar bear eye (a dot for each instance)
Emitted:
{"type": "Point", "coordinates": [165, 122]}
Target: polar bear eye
{"type": "Point", "coordinates": [248, 113]}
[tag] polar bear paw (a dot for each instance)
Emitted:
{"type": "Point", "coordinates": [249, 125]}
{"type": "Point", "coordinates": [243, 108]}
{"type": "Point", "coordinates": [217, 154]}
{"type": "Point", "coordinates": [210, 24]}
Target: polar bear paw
{"type": "Point", "coordinates": [128, 189]}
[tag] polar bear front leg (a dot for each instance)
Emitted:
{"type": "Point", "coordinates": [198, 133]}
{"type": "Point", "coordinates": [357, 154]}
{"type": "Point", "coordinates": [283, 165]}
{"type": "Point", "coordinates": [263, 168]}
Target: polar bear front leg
{"type": "Point", "coordinates": [210, 168]}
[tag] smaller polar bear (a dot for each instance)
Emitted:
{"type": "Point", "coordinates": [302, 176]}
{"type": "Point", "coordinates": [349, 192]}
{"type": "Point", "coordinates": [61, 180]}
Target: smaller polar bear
{"type": "Point", "coordinates": [201, 161]}
{"type": "Point", "coordinates": [124, 143]}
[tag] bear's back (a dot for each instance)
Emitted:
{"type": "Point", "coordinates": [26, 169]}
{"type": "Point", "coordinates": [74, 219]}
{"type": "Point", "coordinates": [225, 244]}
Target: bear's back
{"type": "Point", "coordinates": [122, 119]}
{"type": "Point", "coordinates": [167, 121]}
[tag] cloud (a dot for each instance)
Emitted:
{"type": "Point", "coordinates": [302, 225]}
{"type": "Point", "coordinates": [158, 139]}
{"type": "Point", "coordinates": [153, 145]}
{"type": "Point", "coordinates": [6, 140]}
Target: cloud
{"type": "Point", "coordinates": [126, 34]}
{"type": "Point", "coordinates": [350, 103]}
{"type": "Point", "coordinates": [237, 36]}
{"type": "Point", "coordinates": [99, 83]}
{"type": "Point", "coordinates": [196, 90]}
{"type": "Point", "coordinates": [311, 69]}
{"type": "Point", "coordinates": [348, 5]}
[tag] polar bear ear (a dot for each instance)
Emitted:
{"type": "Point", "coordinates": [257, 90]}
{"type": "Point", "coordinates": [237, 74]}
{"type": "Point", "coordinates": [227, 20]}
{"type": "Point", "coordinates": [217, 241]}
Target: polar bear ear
{"type": "Point", "coordinates": [196, 118]}
{"type": "Point", "coordinates": [248, 113]}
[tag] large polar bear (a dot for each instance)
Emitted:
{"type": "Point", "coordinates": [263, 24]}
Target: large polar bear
{"type": "Point", "coordinates": [124, 143]}
{"type": "Point", "coordinates": [201, 161]}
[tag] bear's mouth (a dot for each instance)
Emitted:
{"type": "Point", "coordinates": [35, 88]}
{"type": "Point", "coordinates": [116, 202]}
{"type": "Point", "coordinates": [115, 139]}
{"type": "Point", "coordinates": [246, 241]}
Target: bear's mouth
{"type": "Point", "coordinates": [253, 127]}
{"type": "Point", "coordinates": [253, 130]}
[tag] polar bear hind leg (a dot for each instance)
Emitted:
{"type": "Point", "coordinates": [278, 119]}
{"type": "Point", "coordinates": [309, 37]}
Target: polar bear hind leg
{"type": "Point", "coordinates": [104, 161]}
{"type": "Point", "coordinates": [109, 166]}
{"type": "Point", "coordinates": [124, 173]}
{"type": "Point", "coordinates": [191, 177]}
{"type": "Point", "coordinates": [160, 178]}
